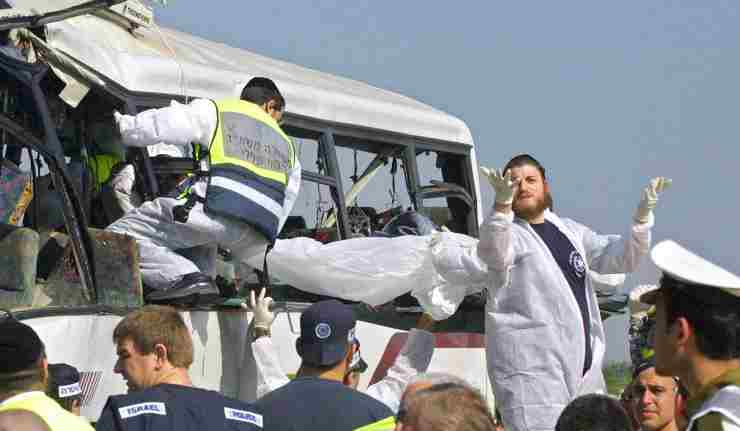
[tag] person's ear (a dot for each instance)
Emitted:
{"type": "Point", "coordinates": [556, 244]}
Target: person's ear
{"type": "Point", "coordinates": [350, 353]}
{"type": "Point", "coordinates": [161, 354]}
{"type": "Point", "coordinates": [45, 366]}
{"type": "Point", "coordinates": [682, 331]}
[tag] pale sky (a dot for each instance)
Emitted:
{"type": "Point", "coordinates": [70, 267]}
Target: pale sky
{"type": "Point", "coordinates": [604, 94]}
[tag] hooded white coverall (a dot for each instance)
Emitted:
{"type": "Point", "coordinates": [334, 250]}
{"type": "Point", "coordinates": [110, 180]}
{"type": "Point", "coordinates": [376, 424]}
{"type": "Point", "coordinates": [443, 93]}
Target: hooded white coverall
{"type": "Point", "coordinates": [152, 224]}
{"type": "Point", "coordinates": [535, 345]}
{"type": "Point", "coordinates": [414, 358]}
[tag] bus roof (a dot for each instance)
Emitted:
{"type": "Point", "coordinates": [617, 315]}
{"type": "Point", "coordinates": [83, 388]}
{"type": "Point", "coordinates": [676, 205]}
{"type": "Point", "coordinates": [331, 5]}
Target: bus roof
{"type": "Point", "coordinates": [160, 60]}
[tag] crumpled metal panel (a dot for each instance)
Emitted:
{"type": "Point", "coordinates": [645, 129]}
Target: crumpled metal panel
{"type": "Point", "coordinates": [117, 273]}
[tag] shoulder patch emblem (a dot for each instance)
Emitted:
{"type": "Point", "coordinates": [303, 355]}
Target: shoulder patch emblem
{"type": "Point", "coordinates": [142, 409]}
{"type": "Point", "coordinates": [576, 262]}
{"type": "Point", "coordinates": [243, 416]}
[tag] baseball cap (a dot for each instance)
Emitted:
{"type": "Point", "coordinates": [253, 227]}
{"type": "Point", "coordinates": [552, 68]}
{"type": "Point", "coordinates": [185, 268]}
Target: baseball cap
{"type": "Point", "coordinates": [327, 328]}
{"type": "Point", "coordinates": [691, 271]}
{"type": "Point", "coordinates": [20, 346]}
{"type": "Point", "coordinates": [64, 381]}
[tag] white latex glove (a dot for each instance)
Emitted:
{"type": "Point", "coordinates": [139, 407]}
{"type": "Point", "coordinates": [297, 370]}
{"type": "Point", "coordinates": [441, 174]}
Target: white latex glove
{"type": "Point", "coordinates": [635, 305]}
{"type": "Point", "coordinates": [263, 317]}
{"type": "Point", "coordinates": [650, 198]}
{"type": "Point", "coordinates": [502, 183]}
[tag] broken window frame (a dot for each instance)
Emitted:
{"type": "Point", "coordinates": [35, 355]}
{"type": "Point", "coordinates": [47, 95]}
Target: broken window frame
{"type": "Point", "coordinates": [30, 75]}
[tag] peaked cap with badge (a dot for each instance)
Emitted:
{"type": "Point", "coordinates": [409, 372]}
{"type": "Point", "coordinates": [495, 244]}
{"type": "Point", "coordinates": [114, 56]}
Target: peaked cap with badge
{"type": "Point", "coordinates": [686, 270]}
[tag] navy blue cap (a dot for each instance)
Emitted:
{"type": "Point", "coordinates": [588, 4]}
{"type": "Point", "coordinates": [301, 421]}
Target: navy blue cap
{"type": "Point", "coordinates": [327, 329]}
{"type": "Point", "coordinates": [64, 381]}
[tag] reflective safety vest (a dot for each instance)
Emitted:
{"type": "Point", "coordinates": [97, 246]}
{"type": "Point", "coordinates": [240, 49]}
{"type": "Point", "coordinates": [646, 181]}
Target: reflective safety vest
{"type": "Point", "coordinates": [102, 166]}
{"type": "Point", "coordinates": [250, 161]}
{"type": "Point", "coordinates": [388, 423]}
{"type": "Point", "coordinates": [47, 409]}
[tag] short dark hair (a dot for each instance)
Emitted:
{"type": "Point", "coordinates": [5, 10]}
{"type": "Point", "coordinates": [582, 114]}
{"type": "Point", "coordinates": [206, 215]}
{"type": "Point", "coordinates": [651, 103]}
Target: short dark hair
{"type": "Point", "coordinates": [713, 314]}
{"type": "Point", "coordinates": [525, 160]}
{"type": "Point", "coordinates": [594, 412]}
{"type": "Point", "coordinates": [260, 90]}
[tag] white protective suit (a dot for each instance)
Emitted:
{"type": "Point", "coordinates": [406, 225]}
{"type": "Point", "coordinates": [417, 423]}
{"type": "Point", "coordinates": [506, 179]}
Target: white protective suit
{"type": "Point", "coordinates": [152, 224]}
{"type": "Point", "coordinates": [439, 270]}
{"type": "Point", "coordinates": [122, 182]}
{"type": "Point", "coordinates": [414, 358]}
{"type": "Point", "coordinates": [535, 337]}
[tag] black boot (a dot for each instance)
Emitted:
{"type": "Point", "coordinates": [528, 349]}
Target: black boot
{"type": "Point", "coordinates": [193, 289]}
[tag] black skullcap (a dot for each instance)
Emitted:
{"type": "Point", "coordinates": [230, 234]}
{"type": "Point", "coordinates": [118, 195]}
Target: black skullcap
{"type": "Point", "coordinates": [20, 346]}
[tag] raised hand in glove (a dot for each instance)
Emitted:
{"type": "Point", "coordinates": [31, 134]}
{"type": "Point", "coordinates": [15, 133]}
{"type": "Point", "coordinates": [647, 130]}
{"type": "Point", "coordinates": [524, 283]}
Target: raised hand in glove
{"type": "Point", "coordinates": [263, 317]}
{"type": "Point", "coordinates": [635, 305]}
{"type": "Point", "coordinates": [505, 187]}
{"type": "Point", "coordinates": [650, 198]}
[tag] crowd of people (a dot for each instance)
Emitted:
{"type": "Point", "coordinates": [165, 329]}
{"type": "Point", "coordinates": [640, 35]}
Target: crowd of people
{"type": "Point", "coordinates": [690, 381]}
{"type": "Point", "coordinates": [545, 338]}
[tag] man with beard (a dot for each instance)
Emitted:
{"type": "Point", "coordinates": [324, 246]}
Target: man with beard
{"type": "Point", "coordinates": [546, 339]}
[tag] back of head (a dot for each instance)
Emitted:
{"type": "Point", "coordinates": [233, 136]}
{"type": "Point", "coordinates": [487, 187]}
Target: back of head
{"type": "Point", "coordinates": [327, 332]}
{"type": "Point", "coordinates": [594, 412]}
{"type": "Point", "coordinates": [64, 386]}
{"type": "Point", "coordinates": [425, 380]}
{"type": "Point", "coordinates": [716, 322]}
{"type": "Point", "coordinates": [445, 407]}
{"type": "Point", "coordinates": [260, 90]}
{"type": "Point", "coordinates": [156, 324]}
{"type": "Point", "coordinates": [436, 378]}
{"type": "Point", "coordinates": [21, 420]}
{"type": "Point", "coordinates": [22, 368]}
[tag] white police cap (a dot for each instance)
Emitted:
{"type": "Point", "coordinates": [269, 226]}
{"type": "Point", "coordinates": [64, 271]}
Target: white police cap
{"type": "Point", "coordinates": [685, 266]}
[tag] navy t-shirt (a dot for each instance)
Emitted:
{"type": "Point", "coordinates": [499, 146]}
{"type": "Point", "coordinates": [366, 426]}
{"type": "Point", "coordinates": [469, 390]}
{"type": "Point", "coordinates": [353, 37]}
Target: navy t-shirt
{"type": "Point", "coordinates": [574, 270]}
{"type": "Point", "coordinates": [312, 403]}
{"type": "Point", "coordinates": [168, 407]}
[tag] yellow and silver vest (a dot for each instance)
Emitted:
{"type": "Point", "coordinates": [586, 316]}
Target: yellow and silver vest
{"type": "Point", "coordinates": [387, 424]}
{"type": "Point", "coordinates": [52, 413]}
{"type": "Point", "coordinates": [250, 162]}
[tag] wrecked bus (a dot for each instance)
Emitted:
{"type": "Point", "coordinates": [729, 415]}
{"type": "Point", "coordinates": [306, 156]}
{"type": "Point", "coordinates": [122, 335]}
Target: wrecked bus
{"type": "Point", "coordinates": [368, 155]}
